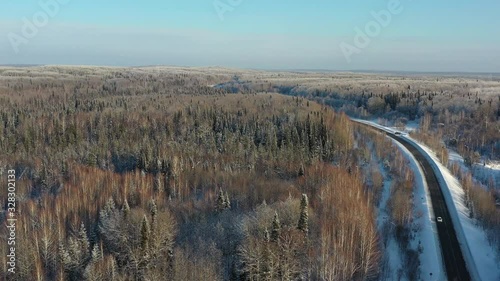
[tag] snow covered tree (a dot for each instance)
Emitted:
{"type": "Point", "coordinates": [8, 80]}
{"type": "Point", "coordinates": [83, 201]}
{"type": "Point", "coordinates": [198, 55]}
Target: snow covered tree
{"type": "Point", "coordinates": [303, 224]}
{"type": "Point", "coordinates": [76, 255]}
{"type": "Point", "coordinates": [153, 209]}
{"type": "Point", "coordinates": [276, 228]}
{"type": "Point", "coordinates": [125, 208]}
{"type": "Point", "coordinates": [267, 236]}
{"type": "Point", "coordinates": [222, 201]}
{"type": "Point", "coordinates": [145, 234]}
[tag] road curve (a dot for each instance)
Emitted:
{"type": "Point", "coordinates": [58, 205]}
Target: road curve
{"type": "Point", "coordinates": [455, 266]}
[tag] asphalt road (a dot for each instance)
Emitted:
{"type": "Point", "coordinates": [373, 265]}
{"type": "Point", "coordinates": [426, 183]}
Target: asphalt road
{"type": "Point", "coordinates": [456, 269]}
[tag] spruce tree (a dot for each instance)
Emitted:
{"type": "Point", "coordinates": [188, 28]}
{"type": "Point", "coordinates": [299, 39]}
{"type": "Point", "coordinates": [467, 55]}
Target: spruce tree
{"type": "Point", "coordinates": [276, 228]}
{"type": "Point", "coordinates": [221, 201]}
{"type": "Point", "coordinates": [83, 239]}
{"type": "Point", "coordinates": [125, 208]}
{"type": "Point", "coordinates": [303, 224]}
{"type": "Point", "coordinates": [96, 254]}
{"type": "Point", "coordinates": [108, 209]}
{"type": "Point", "coordinates": [267, 236]}
{"type": "Point", "coordinates": [145, 234]}
{"type": "Point", "coordinates": [153, 209]}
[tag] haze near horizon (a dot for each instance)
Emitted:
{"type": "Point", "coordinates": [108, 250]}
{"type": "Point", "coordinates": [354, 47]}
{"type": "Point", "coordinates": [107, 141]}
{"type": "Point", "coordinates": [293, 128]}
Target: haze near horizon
{"type": "Point", "coordinates": [394, 35]}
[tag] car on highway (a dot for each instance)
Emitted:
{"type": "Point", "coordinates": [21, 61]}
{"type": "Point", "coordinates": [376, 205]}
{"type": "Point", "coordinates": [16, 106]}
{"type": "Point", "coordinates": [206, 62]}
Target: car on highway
{"type": "Point", "coordinates": [439, 219]}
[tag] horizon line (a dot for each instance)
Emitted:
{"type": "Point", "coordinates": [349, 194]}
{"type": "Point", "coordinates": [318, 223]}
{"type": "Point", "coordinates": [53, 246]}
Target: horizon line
{"type": "Point", "coordinates": [313, 70]}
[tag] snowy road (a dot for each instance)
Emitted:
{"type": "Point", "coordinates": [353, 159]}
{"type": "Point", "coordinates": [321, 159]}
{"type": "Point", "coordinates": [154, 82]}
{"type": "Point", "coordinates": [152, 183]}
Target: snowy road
{"type": "Point", "coordinates": [454, 262]}
{"type": "Point", "coordinates": [453, 258]}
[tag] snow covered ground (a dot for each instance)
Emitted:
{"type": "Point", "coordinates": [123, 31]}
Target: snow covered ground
{"type": "Point", "coordinates": [482, 173]}
{"type": "Point", "coordinates": [487, 172]}
{"type": "Point", "coordinates": [472, 237]}
{"type": "Point", "coordinates": [431, 264]}
{"type": "Point", "coordinates": [475, 246]}
{"type": "Point", "coordinates": [392, 255]}
{"type": "Point", "coordinates": [424, 233]}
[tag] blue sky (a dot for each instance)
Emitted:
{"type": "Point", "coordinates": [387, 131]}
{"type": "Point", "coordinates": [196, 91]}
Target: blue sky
{"type": "Point", "coordinates": [460, 35]}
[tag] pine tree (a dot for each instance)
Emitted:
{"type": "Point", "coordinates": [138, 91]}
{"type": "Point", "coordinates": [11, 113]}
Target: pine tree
{"type": "Point", "coordinates": [303, 224]}
{"type": "Point", "coordinates": [145, 234]}
{"type": "Point", "coordinates": [64, 256]}
{"type": "Point", "coordinates": [276, 228]}
{"type": "Point", "coordinates": [96, 253]}
{"type": "Point", "coordinates": [76, 257]}
{"type": "Point", "coordinates": [153, 209]}
{"type": "Point", "coordinates": [301, 171]}
{"type": "Point", "coordinates": [267, 236]}
{"type": "Point", "coordinates": [108, 208]}
{"type": "Point", "coordinates": [221, 201]}
{"type": "Point", "coordinates": [125, 208]}
{"type": "Point", "coordinates": [83, 239]}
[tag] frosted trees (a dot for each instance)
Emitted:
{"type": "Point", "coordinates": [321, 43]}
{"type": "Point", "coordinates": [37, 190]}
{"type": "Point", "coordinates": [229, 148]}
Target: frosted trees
{"type": "Point", "coordinates": [145, 232]}
{"type": "Point", "coordinates": [303, 224]}
{"type": "Point", "coordinates": [139, 240]}
{"type": "Point", "coordinates": [76, 255]}
{"type": "Point", "coordinates": [223, 201]}
{"type": "Point", "coordinates": [275, 249]}
{"type": "Point", "coordinates": [276, 228]}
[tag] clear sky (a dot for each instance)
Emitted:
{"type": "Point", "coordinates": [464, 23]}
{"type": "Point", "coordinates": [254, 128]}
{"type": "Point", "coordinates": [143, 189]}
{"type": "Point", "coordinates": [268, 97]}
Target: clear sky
{"type": "Point", "coordinates": [424, 35]}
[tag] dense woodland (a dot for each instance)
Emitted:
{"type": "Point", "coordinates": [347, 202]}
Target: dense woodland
{"type": "Point", "coordinates": [459, 113]}
{"type": "Point", "coordinates": [132, 174]}
{"type": "Point", "coordinates": [157, 174]}
{"type": "Point", "coordinates": [464, 110]}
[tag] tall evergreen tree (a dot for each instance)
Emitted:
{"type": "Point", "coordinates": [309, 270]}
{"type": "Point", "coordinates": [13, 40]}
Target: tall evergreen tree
{"type": "Point", "coordinates": [83, 239]}
{"type": "Point", "coordinates": [276, 228]}
{"type": "Point", "coordinates": [303, 224]}
{"type": "Point", "coordinates": [96, 254]}
{"type": "Point", "coordinates": [267, 236]}
{"type": "Point", "coordinates": [145, 234]}
{"type": "Point", "coordinates": [153, 209]}
{"type": "Point", "coordinates": [125, 208]}
{"type": "Point", "coordinates": [221, 201]}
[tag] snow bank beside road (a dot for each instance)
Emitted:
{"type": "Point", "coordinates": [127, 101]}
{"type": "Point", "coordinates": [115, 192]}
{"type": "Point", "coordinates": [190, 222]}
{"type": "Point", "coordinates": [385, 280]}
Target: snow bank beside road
{"type": "Point", "coordinates": [483, 262]}
{"type": "Point", "coordinates": [431, 263]}
{"type": "Point", "coordinates": [474, 243]}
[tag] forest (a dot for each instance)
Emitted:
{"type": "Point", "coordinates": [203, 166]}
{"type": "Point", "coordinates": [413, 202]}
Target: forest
{"type": "Point", "coordinates": [173, 174]}
{"type": "Point", "coordinates": [449, 113]}
{"type": "Point", "coordinates": [464, 109]}
{"type": "Point", "coordinates": [134, 174]}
